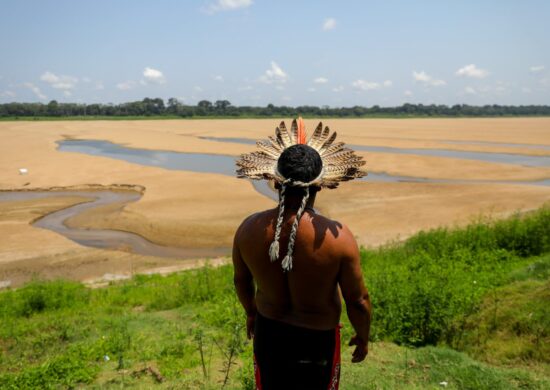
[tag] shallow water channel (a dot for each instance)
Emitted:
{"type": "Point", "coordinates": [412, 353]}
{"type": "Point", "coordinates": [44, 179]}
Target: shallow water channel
{"type": "Point", "coordinates": [103, 238]}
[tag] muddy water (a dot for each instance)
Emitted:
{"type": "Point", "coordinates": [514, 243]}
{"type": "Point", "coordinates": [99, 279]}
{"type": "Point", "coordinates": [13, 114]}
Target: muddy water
{"type": "Point", "coordinates": [194, 162]}
{"type": "Point", "coordinates": [197, 162]}
{"type": "Point", "coordinates": [249, 141]}
{"type": "Point", "coordinates": [501, 144]}
{"type": "Point", "coordinates": [501, 158]}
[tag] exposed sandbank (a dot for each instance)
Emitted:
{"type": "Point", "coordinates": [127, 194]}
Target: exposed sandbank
{"type": "Point", "coordinates": [202, 210]}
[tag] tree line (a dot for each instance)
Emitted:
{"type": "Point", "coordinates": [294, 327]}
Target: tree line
{"type": "Point", "coordinates": [223, 108]}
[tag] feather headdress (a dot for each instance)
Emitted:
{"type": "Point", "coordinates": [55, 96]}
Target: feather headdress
{"type": "Point", "coordinates": [338, 164]}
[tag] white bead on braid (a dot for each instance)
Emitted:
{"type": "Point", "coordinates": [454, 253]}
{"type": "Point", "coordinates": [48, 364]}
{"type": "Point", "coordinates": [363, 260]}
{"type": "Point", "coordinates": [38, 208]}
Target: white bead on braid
{"type": "Point", "coordinates": [287, 261]}
{"type": "Point", "coordinates": [274, 248]}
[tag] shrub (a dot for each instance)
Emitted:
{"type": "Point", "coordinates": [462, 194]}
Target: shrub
{"type": "Point", "coordinates": [420, 288]}
{"type": "Point", "coordinates": [41, 296]}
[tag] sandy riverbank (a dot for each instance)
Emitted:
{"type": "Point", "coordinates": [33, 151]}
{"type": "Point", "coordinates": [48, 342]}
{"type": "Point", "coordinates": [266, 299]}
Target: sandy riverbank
{"type": "Point", "coordinates": [27, 252]}
{"type": "Point", "coordinates": [202, 210]}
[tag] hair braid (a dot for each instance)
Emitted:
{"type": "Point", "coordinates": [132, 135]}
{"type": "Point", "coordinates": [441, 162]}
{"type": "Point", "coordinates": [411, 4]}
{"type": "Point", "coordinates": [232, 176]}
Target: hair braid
{"type": "Point", "coordinates": [274, 248]}
{"type": "Point", "coordinates": [287, 261]}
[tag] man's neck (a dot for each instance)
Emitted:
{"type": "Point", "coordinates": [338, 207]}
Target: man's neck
{"type": "Point", "coordinates": [293, 203]}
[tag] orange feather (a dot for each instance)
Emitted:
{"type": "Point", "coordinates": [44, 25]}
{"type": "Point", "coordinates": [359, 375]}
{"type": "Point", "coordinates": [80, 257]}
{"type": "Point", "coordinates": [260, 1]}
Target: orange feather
{"type": "Point", "coordinates": [301, 136]}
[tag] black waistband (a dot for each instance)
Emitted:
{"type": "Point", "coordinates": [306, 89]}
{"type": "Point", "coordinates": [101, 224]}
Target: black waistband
{"type": "Point", "coordinates": [276, 325]}
{"type": "Point", "coordinates": [293, 357]}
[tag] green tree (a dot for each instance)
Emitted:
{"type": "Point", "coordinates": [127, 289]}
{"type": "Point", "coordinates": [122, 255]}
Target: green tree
{"type": "Point", "coordinates": [53, 108]}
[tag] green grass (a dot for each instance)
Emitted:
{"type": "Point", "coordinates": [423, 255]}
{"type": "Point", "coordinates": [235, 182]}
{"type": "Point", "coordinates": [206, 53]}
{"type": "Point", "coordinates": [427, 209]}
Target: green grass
{"type": "Point", "coordinates": [512, 324]}
{"type": "Point", "coordinates": [395, 367]}
{"type": "Point", "coordinates": [482, 290]}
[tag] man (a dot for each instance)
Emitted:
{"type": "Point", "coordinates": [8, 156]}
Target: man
{"type": "Point", "coordinates": [293, 313]}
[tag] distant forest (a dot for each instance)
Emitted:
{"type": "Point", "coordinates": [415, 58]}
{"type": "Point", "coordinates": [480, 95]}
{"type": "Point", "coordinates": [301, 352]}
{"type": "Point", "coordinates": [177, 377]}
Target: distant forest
{"type": "Point", "coordinates": [223, 108]}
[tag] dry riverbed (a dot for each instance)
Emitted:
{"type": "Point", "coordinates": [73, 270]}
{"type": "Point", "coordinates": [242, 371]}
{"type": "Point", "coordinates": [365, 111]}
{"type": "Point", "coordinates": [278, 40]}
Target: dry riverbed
{"type": "Point", "coordinates": [187, 209]}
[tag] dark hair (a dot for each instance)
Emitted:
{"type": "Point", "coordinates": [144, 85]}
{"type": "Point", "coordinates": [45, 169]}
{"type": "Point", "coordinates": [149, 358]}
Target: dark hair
{"type": "Point", "coordinates": [300, 162]}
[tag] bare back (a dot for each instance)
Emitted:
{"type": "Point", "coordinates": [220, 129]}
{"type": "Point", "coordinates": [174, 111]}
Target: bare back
{"type": "Point", "coordinates": [307, 295]}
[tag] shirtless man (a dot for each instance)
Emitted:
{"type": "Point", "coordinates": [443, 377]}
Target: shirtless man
{"type": "Point", "coordinates": [294, 316]}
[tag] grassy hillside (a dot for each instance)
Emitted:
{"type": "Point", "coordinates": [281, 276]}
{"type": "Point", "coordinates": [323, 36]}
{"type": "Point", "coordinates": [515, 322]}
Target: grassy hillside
{"type": "Point", "coordinates": [481, 290]}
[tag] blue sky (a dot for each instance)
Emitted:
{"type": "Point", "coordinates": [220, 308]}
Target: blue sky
{"type": "Point", "coordinates": [254, 52]}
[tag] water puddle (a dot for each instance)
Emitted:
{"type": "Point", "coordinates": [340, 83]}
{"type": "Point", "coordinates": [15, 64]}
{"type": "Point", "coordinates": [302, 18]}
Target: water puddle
{"type": "Point", "coordinates": [104, 238]}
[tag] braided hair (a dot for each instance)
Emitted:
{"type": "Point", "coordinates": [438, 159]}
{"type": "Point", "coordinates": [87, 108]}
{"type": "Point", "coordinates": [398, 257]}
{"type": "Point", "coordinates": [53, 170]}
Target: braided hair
{"type": "Point", "coordinates": [298, 164]}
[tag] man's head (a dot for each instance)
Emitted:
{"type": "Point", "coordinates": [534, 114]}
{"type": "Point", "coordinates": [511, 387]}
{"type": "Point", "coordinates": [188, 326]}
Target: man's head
{"type": "Point", "coordinates": [300, 162]}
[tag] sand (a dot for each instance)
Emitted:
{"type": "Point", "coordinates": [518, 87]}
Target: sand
{"type": "Point", "coordinates": [189, 209]}
{"type": "Point", "coordinates": [27, 252]}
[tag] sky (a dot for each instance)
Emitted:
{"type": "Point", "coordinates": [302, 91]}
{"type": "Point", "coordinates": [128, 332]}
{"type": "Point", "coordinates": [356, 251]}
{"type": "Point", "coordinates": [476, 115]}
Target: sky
{"type": "Point", "coordinates": [256, 52]}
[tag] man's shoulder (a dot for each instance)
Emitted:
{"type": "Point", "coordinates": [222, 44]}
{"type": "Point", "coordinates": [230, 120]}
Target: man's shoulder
{"type": "Point", "coordinates": [258, 216]}
{"type": "Point", "coordinates": [253, 220]}
{"type": "Point", "coordinates": [341, 238]}
{"type": "Point", "coordinates": [339, 229]}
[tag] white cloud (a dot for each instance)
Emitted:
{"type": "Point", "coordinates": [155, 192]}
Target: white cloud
{"type": "Point", "coordinates": [470, 90]}
{"type": "Point", "coordinates": [49, 77]}
{"type": "Point", "coordinates": [126, 85]}
{"type": "Point", "coordinates": [472, 71]}
{"type": "Point", "coordinates": [154, 75]}
{"type": "Point", "coordinates": [274, 75]}
{"type": "Point", "coordinates": [279, 88]}
{"type": "Point", "coordinates": [228, 5]}
{"type": "Point", "coordinates": [339, 88]}
{"type": "Point", "coordinates": [8, 94]}
{"type": "Point", "coordinates": [526, 90]}
{"type": "Point", "coordinates": [408, 93]}
{"type": "Point", "coordinates": [426, 79]}
{"type": "Point", "coordinates": [99, 86]}
{"type": "Point", "coordinates": [545, 81]}
{"type": "Point", "coordinates": [370, 85]}
{"type": "Point", "coordinates": [329, 24]}
{"type": "Point", "coordinates": [245, 88]}
{"type": "Point", "coordinates": [35, 90]}
{"type": "Point", "coordinates": [197, 88]}
{"type": "Point", "coordinates": [536, 69]}
{"type": "Point", "coordinates": [67, 93]}
{"type": "Point", "coordinates": [62, 82]}
{"type": "Point", "coordinates": [311, 89]}
{"type": "Point", "coordinates": [86, 80]}
{"type": "Point", "coordinates": [365, 85]}
{"type": "Point", "coordinates": [218, 78]}
{"type": "Point", "coordinates": [320, 80]}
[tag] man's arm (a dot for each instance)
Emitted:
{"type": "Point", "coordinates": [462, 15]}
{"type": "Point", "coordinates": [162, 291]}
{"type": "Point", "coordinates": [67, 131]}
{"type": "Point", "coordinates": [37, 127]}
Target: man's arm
{"type": "Point", "coordinates": [356, 296]}
{"type": "Point", "coordinates": [244, 285]}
